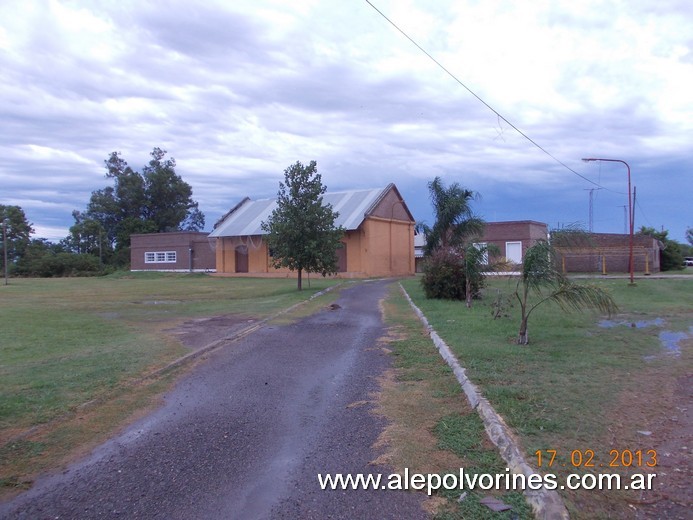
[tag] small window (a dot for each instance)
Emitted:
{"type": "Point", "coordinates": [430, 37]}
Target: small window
{"type": "Point", "coordinates": [160, 257]}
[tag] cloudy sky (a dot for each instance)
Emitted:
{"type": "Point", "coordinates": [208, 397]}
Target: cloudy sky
{"type": "Point", "coordinates": [238, 90]}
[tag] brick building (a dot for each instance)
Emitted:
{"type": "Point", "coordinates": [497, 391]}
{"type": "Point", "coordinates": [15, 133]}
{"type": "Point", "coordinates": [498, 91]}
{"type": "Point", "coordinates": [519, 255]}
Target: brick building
{"type": "Point", "coordinates": [513, 238]}
{"type": "Point", "coordinates": [178, 251]}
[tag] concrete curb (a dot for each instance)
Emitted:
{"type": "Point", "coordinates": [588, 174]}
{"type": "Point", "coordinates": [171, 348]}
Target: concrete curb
{"type": "Point", "coordinates": [547, 504]}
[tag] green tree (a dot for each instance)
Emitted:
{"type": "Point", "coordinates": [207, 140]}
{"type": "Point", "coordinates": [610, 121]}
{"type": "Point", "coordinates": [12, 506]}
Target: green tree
{"type": "Point", "coordinates": [301, 233]}
{"type": "Point", "coordinates": [456, 260]}
{"type": "Point", "coordinates": [87, 236]}
{"type": "Point", "coordinates": [689, 236]}
{"type": "Point", "coordinates": [18, 232]}
{"type": "Point", "coordinates": [542, 281]}
{"type": "Point", "coordinates": [455, 222]}
{"type": "Point", "coordinates": [155, 200]}
{"type": "Point", "coordinates": [671, 257]}
{"type": "Point", "coordinates": [168, 199]}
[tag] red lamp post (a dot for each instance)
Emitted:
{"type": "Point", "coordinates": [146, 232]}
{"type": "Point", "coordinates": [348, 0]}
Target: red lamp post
{"type": "Point", "coordinates": [630, 211]}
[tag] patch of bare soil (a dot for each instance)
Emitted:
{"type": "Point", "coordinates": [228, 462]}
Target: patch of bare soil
{"type": "Point", "coordinates": [673, 440]}
{"type": "Point", "coordinates": [198, 333]}
{"type": "Point", "coordinates": [656, 416]}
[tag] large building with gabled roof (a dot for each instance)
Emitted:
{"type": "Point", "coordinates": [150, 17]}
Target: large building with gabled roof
{"type": "Point", "coordinates": [379, 238]}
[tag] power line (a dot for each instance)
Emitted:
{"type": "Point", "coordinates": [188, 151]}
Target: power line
{"type": "Point", "coordinates": [500, 116]}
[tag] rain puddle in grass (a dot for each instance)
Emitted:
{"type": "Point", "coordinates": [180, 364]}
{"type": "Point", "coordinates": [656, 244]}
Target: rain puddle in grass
{"type": "Point", "coordinates": [641, 324]}
{"type": "Point", "coordinates": [669, 340]}
{"type": "Point", "coordinates": [158, 302]}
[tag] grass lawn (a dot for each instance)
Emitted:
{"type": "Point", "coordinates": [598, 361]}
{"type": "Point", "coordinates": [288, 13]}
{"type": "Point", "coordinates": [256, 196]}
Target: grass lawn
{"type": "Point", "coordinates": [73, 351]}
{"type": "Point", "coordinates": [579, 388]}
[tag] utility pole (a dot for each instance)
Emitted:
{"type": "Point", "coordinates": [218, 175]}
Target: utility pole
{"type": "Point", "coordinates": [4, 245]}
{"type": "Point", "coordinates": [625, 219]}
{"type": "Point", "coordinates": [591, 212]}
{"type": "Point", "coordinates": [632, 215]}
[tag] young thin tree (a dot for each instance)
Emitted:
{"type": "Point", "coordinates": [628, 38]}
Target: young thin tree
{"type": "Point", "coordinates": [476, 265]}
{"type": "Point", "coordinates": [542, 278]}
{"type": "Point", "coordinates": [301, 233]}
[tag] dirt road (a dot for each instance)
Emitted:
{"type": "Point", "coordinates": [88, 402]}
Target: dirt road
{"type": "Point", "coordinates": [245, 434]}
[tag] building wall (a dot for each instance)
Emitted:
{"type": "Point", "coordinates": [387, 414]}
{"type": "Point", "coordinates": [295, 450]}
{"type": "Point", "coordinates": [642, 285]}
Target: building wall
{"type": "Point", "coordinates": [389, 247]}
{"type": "Point", "coordinates": [525, 231]}
{"type": "Point", "coordinates": [610, 253]}
{"type": "Point", "coordinates": [379, 247]}
{"type": "Point", "coordinates": [194, 251]}
{"type": "Point", "coordinates": [354, 251]}
{"type": "Point", "coordinates": [258, 255]}
{"type": "Point", "coordinates": [391, 207]}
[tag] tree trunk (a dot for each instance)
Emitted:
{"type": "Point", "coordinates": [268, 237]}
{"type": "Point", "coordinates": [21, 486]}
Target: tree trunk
{"type": "Point", "coordinates": [523, 336]}
{"type": "Point", "coordinates": [300, 286]}
{"type": "Point", "coordinates": [468, 291]}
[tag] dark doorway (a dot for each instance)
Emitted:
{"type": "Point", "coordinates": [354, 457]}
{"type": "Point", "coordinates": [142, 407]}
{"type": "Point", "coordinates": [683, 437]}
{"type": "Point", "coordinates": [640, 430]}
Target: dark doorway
{"type": "Point", "coordinates": [342, 259]}
{"type": "Point", "coordinates": [241, 259]}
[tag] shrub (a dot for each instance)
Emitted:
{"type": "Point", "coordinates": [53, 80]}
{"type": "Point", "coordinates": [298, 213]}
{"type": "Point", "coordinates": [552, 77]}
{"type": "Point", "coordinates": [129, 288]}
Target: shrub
{"type": "Point", "coordinates": [60, 264]}
{"type": "Point", "coordinates": [444, 276]}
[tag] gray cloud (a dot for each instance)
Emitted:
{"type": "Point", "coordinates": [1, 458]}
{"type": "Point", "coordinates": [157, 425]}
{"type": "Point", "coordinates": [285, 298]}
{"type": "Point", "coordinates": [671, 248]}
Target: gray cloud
{"type": "Point", "coordinates": [238, 92]}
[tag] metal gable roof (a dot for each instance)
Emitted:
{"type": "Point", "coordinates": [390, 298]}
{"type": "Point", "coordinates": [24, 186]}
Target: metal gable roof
{"type": "Point", "coordinates": [245, 219]}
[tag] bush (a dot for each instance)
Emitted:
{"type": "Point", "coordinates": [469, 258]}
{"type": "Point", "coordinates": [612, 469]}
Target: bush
{"type": "Point", "coordinates": [444, 276]}
{"type": "Point", "coordinates": [60, 264]}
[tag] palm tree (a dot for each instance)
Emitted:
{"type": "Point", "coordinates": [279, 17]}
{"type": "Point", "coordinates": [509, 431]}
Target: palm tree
{"type": "Point", "coordinates": [541, 275]}
{"type": "Point", "coordinates": [455, 221]}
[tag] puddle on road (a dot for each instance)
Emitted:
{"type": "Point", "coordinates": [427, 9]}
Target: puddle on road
{"type": "Point", "coordinates": [669, 340]}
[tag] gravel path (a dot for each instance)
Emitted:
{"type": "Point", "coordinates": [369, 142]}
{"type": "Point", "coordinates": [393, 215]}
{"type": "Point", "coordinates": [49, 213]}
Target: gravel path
{"type": "Point", "coordinates": [246, 433]}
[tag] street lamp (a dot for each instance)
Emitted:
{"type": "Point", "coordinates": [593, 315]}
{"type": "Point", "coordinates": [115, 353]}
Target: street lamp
{"type": "Point", "coordinates": [630, 211]}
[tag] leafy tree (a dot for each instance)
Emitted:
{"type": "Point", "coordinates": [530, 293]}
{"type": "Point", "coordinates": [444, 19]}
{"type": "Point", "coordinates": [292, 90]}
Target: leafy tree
{"type": "Point", "coordinates": [456, 265]}
{"type": "Point", "coordinates": [18, 232]}
{"type": "Point", "coordinates": [542, 278]}
{"type": "Point", "coordinates": [155, 200]}
{"type": "Point", "coordinates": [301, 234]}
{"type": "Point", "coordinates": [455, 221]}
{"type": "Point", "coordinates": [168, 199]}
{"type": "Point", "coordinates": [689, 235]}
{"type": "Point", "coordinates": [46, 259]}
{"type": "Point", "coordinates": [87, 236]}
{"type": "Point", "coordinates": [671, 256]}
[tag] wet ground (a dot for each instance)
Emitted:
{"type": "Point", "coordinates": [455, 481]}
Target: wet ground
{"type": "Point", "coordinates": [245, 434]}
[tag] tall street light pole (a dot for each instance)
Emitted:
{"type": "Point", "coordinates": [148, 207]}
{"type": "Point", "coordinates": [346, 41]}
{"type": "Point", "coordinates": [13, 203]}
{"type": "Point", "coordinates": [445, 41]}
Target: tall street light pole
{"type": "Point", "coordinates": [630, 211]}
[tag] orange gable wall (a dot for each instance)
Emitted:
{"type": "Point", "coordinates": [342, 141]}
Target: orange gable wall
{"type": "Point", "coordinates": [389, 247]}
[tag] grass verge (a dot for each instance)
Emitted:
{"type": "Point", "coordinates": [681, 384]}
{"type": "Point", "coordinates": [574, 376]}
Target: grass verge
{"type": "Point", "coordinates": [579, 388]}
{"type": "Point", "coordinates": [431, 428]}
